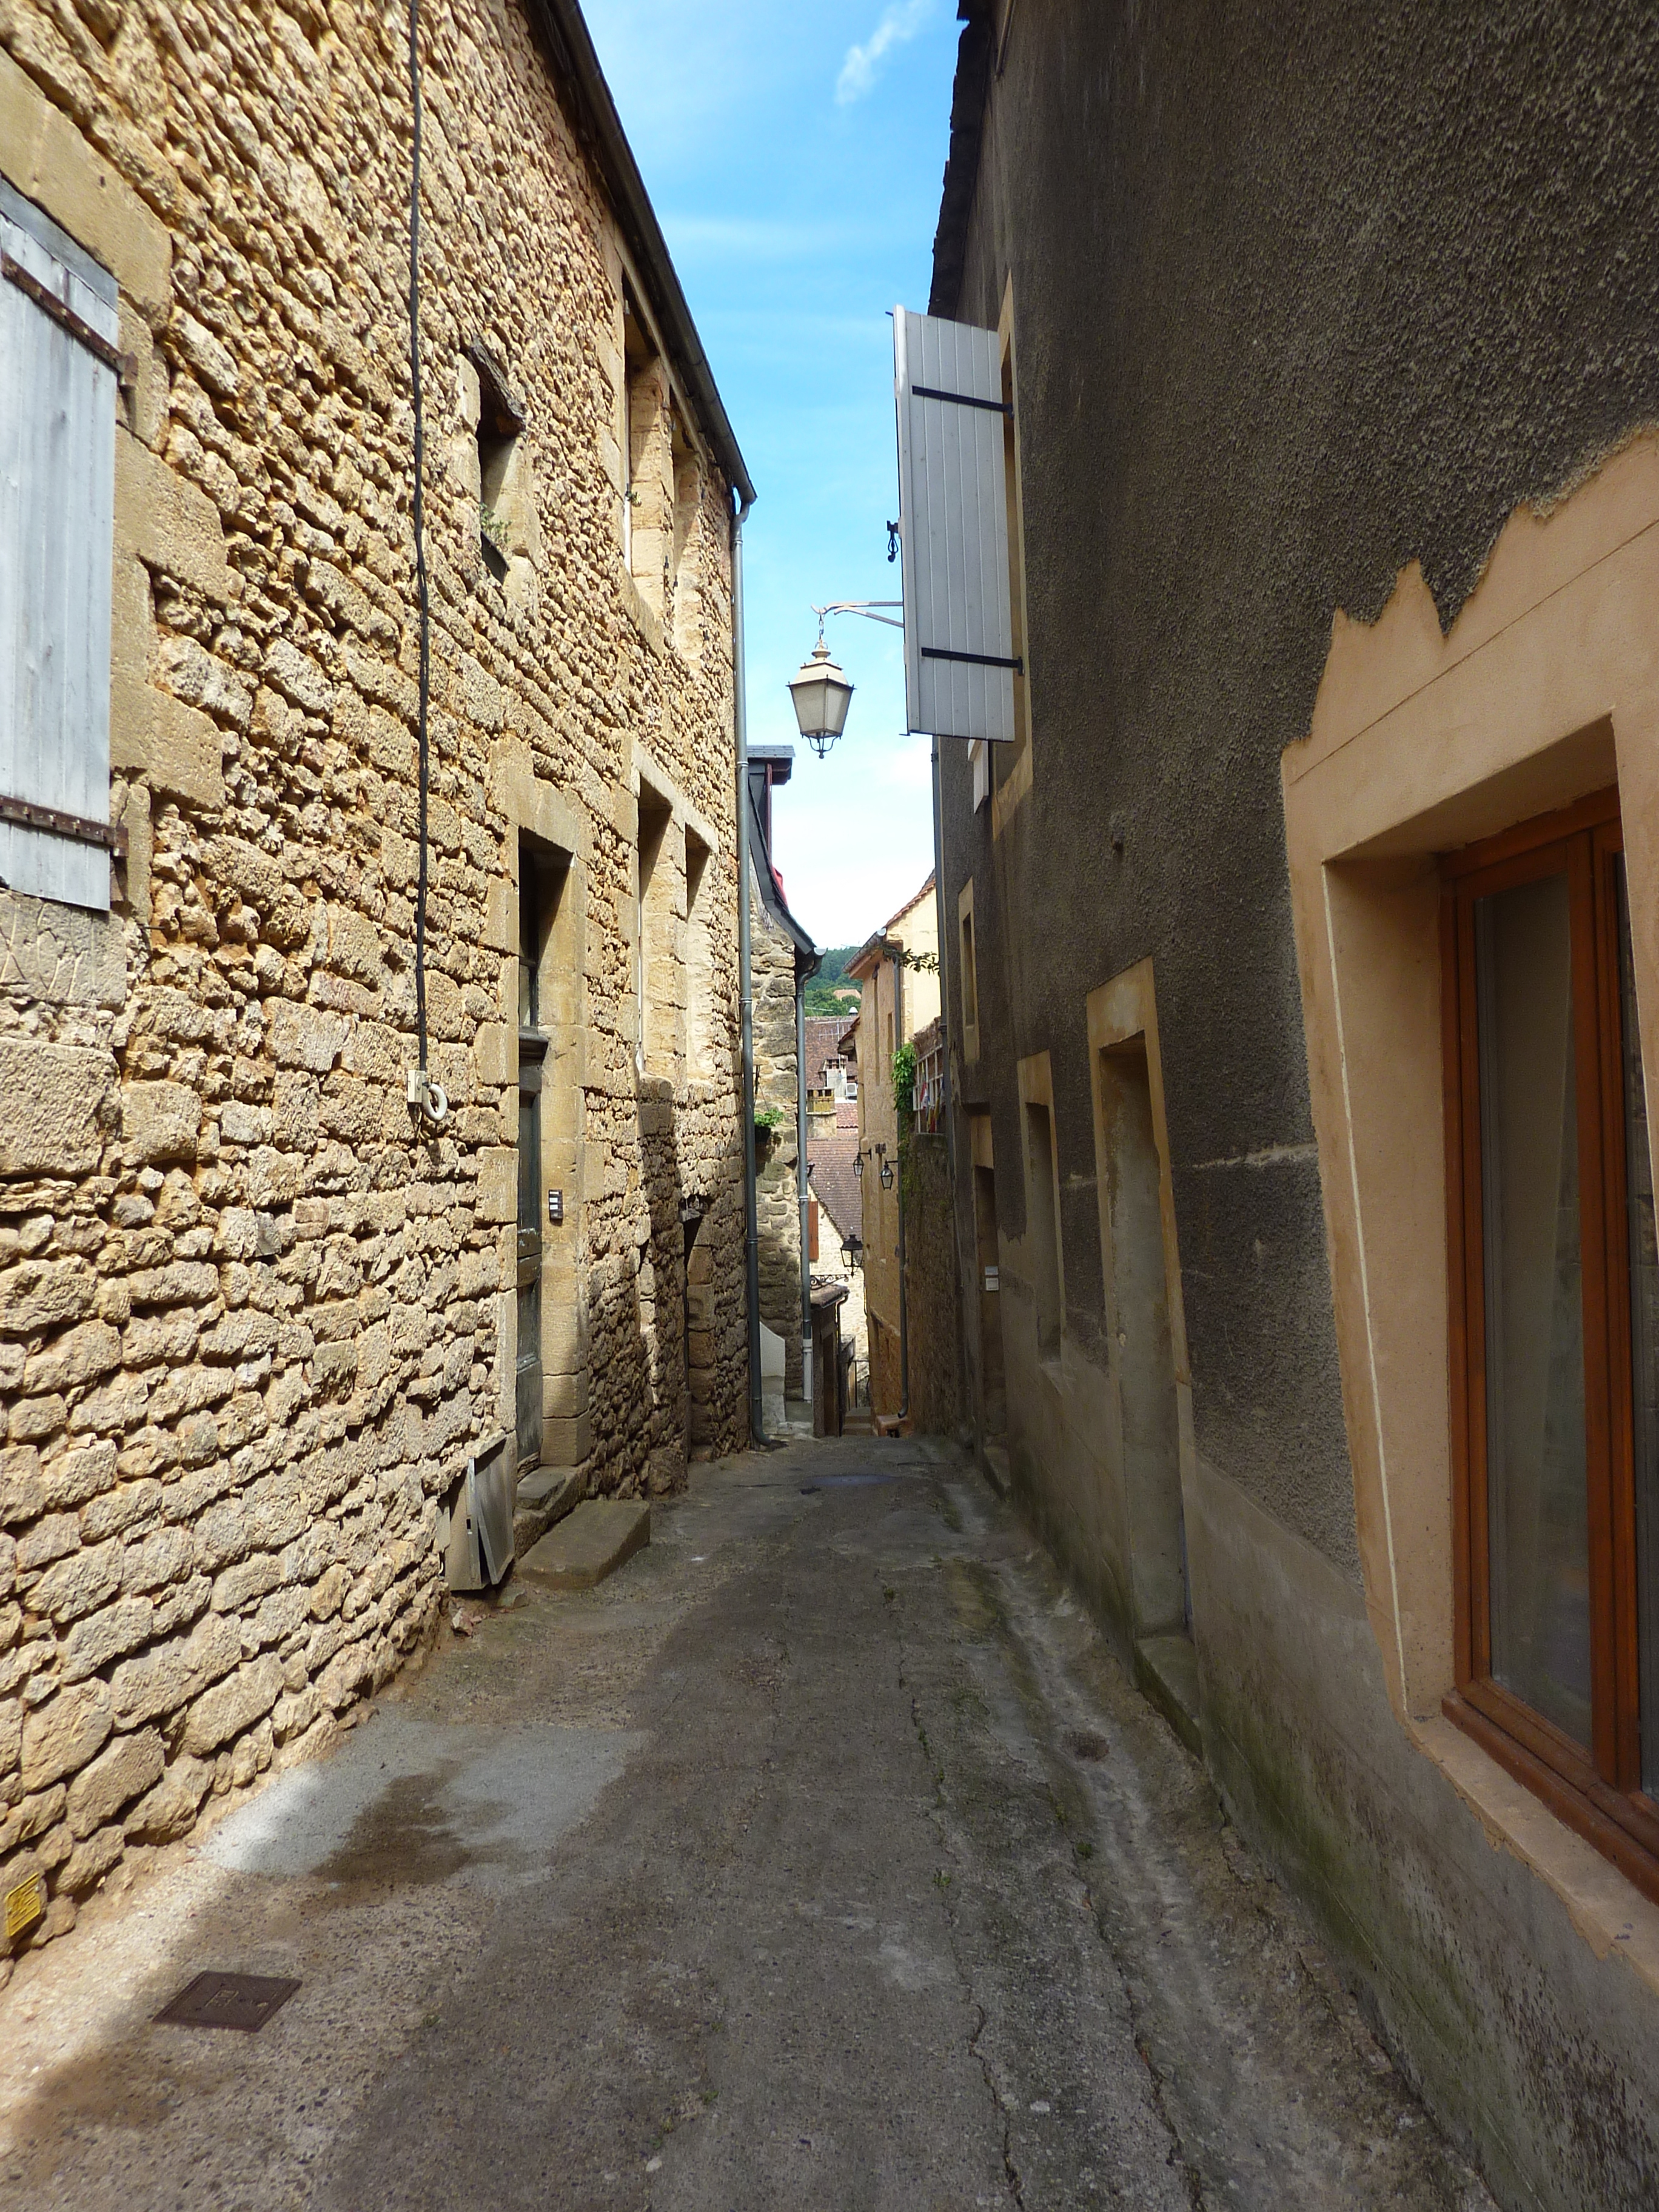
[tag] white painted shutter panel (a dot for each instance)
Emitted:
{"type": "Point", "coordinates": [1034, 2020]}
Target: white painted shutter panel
{"type": "Point", "coordinates": [58, 402]}
{"type": "Point", "coordinates": [953, 498]}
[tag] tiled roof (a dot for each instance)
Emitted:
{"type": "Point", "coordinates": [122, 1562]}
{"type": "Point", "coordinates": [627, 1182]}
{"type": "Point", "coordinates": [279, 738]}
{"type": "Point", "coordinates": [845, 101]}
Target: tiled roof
{"type": "Point", "coordinates": [829, 1177]}
{"type": "Point", "coordinates": [824, 1034]}
{"type": "Point", "coordinates": [847, 1114]}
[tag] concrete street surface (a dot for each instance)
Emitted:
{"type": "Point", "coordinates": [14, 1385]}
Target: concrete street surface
{"type": "Point", "coordinates": [824, 1857]}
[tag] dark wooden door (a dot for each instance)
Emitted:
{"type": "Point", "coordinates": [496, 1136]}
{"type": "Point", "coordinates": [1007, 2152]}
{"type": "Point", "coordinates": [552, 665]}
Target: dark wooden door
{"type": "Point", "coordinates": [528, 1379]}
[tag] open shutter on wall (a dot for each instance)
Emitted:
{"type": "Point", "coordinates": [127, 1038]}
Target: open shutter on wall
{"type": "Point", "coordinates": [59, 322]}
{"type": "Point", "coordinates": [953, 507]}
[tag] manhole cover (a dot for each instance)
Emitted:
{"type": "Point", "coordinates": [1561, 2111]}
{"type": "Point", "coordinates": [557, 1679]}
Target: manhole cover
{"type": "Point", "coordinates": [244, 2000]}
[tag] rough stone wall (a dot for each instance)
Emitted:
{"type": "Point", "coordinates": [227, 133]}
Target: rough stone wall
{"type": "Point", "coordinates": [777, 1192]}
{"type": "Point", "coordinates": [249, 1326]}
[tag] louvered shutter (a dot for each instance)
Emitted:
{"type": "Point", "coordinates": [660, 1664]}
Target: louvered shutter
{"type": "Point", "coordinates": [953, 499]}
{"type": "Point", "coordinates": [58, 402]}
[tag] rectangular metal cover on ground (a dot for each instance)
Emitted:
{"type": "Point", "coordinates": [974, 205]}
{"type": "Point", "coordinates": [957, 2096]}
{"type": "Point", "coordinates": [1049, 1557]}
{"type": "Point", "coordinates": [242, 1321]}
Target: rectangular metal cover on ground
{"type": "Point", "coordinates": [240, 2001]}
{"type": "Point", "coordinates": [953, 514]}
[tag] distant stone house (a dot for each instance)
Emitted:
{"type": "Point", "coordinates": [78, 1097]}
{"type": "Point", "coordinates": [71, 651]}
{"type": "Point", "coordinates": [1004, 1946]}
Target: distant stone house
{"type": "Point", "coordinates": [837, 1197]}
{"type": "Point", "coordinates": [831, 1081]}
{"type": "Point", "coordinates": [256, 1313]}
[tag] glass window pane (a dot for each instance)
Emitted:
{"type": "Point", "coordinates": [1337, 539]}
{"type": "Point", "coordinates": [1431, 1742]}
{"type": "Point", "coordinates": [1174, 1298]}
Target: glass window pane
{"type": "Point", "coordinates": [1536, 1497]}
{"type": "Point", "coordinates": [1645, 1350]}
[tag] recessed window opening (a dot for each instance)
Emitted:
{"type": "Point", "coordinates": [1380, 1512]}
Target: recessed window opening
{"type": "Point", "coordinates": [1555, 1320]}
{"type": "Point", "coordinates": [1139, 1315]}
{"type": "Point", "coordinates": [699, 958]}
{"type": "Point", "coordinates": [969, 977]}
{"type": "Point", "coordinates": [652, 939]}
{"type": "Point", "coordinates": [500, 422]}
{"type": "Point", "coordinates": [684, 549]}
{"type": "Point", "coordinates": [644, 494]}
{"type": "Point", "coordinates": [1043, 1226]}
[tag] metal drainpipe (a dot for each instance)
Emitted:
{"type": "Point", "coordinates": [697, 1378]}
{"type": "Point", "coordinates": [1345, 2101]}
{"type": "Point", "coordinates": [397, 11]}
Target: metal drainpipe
{"type": "Point", "coordinates": [904, 1311]}
{"type": "Point", "coordinates": [800, 1180]}
{"type": "Point", "coordinates": [746, 983]}
{"type": "Point", "coordinates": [945, 1077]}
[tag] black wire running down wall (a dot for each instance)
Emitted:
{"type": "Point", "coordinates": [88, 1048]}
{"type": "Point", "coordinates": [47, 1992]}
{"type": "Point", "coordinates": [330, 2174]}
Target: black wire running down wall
{"type": "Point", "coordinates": [420, 507]}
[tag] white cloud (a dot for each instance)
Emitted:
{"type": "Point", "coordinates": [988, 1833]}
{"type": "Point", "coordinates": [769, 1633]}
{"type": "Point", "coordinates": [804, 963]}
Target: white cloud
{"type": "Point", "coordinates": [902, 21]}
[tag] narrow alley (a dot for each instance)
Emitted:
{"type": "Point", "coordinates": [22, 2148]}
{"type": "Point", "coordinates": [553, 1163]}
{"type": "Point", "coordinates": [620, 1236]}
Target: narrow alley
{"type": "Point", "coordinates": [823, 1856]}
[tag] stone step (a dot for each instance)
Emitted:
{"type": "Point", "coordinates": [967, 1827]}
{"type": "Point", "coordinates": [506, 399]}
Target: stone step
{"type": "Point", "coordinates": [544, 1496]}
{"type": "Point", "coordinates": [1166, 1668]}
{"type": "Point", "coordinates": [589, 1544]}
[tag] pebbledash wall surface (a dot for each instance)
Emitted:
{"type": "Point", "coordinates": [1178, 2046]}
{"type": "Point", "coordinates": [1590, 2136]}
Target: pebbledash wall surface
{"type": "Point", "coordinates": [251, 1326]}
{"type": "Point", "coordinates": [1293, 299]}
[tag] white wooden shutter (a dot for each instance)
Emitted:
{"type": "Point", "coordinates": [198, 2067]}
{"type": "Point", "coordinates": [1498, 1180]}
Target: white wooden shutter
{"type": "Point", "coordinates": [57, 401]}
{"type": "Point", "coordinates": [953, 501]}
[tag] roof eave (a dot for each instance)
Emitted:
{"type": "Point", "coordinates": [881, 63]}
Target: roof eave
{"type": "Point", "coordinates": [600, 127]}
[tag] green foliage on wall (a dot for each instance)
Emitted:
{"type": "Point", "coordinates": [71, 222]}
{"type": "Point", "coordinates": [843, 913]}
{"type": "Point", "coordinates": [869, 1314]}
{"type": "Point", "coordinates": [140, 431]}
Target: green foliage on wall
{"type": "Point", "coordinates": [904, 1078]}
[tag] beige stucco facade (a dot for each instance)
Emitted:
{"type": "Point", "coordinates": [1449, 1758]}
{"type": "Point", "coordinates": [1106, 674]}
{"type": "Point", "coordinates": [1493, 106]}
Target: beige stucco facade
{"type": "Point", "coordinates": [252, 1320]}
{"type": "Point", "coordinates": [1546, 689]}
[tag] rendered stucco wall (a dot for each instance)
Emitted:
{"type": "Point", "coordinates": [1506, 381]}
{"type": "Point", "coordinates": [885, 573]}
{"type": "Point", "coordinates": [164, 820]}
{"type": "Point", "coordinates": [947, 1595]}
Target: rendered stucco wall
{"type": "Point", "coordinates": [1298, 297]}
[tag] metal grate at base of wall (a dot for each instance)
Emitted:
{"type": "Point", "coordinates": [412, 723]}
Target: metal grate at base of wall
{"type": "Point", "coordinates": [240, 2001]}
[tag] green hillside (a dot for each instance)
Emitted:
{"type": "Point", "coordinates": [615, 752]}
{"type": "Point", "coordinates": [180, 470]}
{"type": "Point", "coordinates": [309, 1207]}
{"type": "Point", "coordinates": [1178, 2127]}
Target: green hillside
{"type": "Point", "coordinates": [828, 992]}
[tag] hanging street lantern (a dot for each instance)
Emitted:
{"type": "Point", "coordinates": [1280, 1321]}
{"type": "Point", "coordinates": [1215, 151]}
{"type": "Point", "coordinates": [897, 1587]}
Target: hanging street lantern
{"type": "Point", "coordinates": [821, 692]}
{"type": "Point", "coordinates": [857, 1166]}
{"type": "Point", "coordinates": [822, 696]}
{"type": "Point", "coordinates": [852, 1250]}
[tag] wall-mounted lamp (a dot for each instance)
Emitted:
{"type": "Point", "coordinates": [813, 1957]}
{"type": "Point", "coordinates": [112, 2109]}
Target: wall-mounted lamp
{"type": "Point", "coordinates": [820, 691]}
{"type": "Point", "coordinates": [886, 1167]}
{"type": "Point", "coordinates": [852, 1250]}
{"type": "Point", "coordinates": [858, 1165]}
{"type": "Point", "coordinates": [822, 696]}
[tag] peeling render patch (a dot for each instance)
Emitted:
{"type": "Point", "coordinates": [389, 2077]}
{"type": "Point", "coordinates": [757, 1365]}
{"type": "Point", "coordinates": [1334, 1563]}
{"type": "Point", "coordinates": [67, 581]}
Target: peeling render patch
{"type": "Point", "coordinates": [1270, 1156]}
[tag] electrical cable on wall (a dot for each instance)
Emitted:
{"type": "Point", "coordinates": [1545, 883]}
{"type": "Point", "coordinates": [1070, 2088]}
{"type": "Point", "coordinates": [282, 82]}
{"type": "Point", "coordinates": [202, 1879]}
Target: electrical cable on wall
{"type": "Point", "coordinates": [426, 1098]}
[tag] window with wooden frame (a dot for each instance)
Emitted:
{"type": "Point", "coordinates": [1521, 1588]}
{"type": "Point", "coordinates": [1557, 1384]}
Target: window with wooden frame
{"type": "Point", "coordinates": [1554, 1283]}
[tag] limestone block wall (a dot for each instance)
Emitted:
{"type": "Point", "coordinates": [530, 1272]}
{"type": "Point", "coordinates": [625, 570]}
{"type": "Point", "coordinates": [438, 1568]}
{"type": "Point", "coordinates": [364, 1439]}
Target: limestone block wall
{"type": "Point", "coordinates": [251, 1324]}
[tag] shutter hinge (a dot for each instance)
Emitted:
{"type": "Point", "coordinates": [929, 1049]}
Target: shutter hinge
{"type": "Point", "coordinates": [973, 660]}
{"type": "Point", "coordinates": [960, 399]}
{"type": "Point", "coordinates": [125, 364]}
{"type": "Point", "coordinates": [77, 827]}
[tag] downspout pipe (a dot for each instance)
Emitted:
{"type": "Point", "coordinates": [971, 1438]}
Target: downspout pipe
{"type": "Point", "coordinates": [904, 1309]}
{"type": "Point", "coordinates": [745, 980]}
{"type": "Point", "coordinates": [800, 1179]}
{"type": "Point", "coordinates": [945, 1102]}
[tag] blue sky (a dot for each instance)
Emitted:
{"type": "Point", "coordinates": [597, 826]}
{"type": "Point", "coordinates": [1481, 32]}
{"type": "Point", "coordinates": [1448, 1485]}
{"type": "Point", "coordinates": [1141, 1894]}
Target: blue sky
{"type": "Point", "coordinates": [793, 149]}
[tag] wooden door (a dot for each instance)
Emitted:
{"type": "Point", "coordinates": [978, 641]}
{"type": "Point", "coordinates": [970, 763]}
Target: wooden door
{"type": "Point", "coordinates": [527, 1395]}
